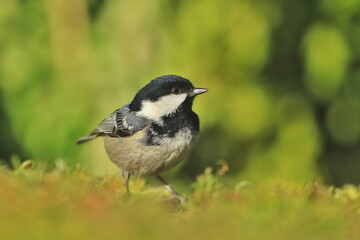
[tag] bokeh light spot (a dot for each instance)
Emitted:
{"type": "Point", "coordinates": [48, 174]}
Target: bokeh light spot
{"type": "Point", "coordinates": [326, 58]}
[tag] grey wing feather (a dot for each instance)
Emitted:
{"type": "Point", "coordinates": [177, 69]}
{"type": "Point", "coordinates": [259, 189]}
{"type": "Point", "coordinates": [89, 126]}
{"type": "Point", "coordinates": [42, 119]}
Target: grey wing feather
{"type": "Point", "coordinates": [106, 126]}
{"type": "Point", "coordinates": [121, 123]}
{"type": "Point", "coordinates": [85, 139]}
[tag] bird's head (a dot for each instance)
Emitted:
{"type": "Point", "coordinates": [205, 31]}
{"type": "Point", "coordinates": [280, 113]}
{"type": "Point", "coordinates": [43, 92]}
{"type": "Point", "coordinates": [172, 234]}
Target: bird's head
{"type": "Point", "coordinates": [164, 96]}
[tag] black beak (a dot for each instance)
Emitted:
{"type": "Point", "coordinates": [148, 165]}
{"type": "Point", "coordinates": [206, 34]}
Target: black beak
{"type": "Point", "coordinates": [197, 91]}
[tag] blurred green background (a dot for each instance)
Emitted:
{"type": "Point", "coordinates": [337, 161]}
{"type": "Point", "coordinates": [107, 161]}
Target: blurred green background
{"type": "Point", "coordinates": [283, 76]}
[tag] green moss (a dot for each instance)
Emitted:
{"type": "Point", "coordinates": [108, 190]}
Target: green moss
{"type": "Point", "coordinates": [73, 204]}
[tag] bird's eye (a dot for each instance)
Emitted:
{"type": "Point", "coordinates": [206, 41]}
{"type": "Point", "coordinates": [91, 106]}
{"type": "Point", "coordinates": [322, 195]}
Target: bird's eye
{"type": "Point", "coordinates": [175, 90]}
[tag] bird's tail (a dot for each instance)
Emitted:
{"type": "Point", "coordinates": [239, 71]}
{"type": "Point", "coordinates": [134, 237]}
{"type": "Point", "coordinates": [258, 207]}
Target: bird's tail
{"type": "Point", "coordinates": [87, 138]}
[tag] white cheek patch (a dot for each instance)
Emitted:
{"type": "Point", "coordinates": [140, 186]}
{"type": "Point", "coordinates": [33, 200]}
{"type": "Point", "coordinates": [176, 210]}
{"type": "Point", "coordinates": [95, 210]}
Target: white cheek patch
{"type": "Point", "coordinates": [162, 107]}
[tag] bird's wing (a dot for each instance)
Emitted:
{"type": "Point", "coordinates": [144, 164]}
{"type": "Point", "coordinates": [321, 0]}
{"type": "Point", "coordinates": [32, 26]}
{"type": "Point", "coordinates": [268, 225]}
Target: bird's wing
{"type": "Point", "coordinates": [121, 123]}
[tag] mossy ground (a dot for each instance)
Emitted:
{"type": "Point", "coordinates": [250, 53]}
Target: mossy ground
{"type": "Point", "coordinates": [73, 204]}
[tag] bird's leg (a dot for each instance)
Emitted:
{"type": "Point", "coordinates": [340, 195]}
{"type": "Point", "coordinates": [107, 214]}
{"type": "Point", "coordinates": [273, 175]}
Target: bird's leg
{"type": "Point", "coordinates": [126, 177]}
{"type": "Point", "coordinates": [168, 187]}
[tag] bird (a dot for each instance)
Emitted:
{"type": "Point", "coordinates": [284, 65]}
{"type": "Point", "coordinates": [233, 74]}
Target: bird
{"type": "Point", "coordinates": [154, 132]}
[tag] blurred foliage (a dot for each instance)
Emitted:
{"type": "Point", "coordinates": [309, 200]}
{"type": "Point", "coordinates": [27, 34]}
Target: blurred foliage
{"type": "Point", "coordinates": [73, 204]}
{"type": "Point", "coordinates": [283, 77]}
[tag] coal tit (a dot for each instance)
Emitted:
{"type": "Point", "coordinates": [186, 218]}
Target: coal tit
{"type": "Point", "coordinates": [154, 132]}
